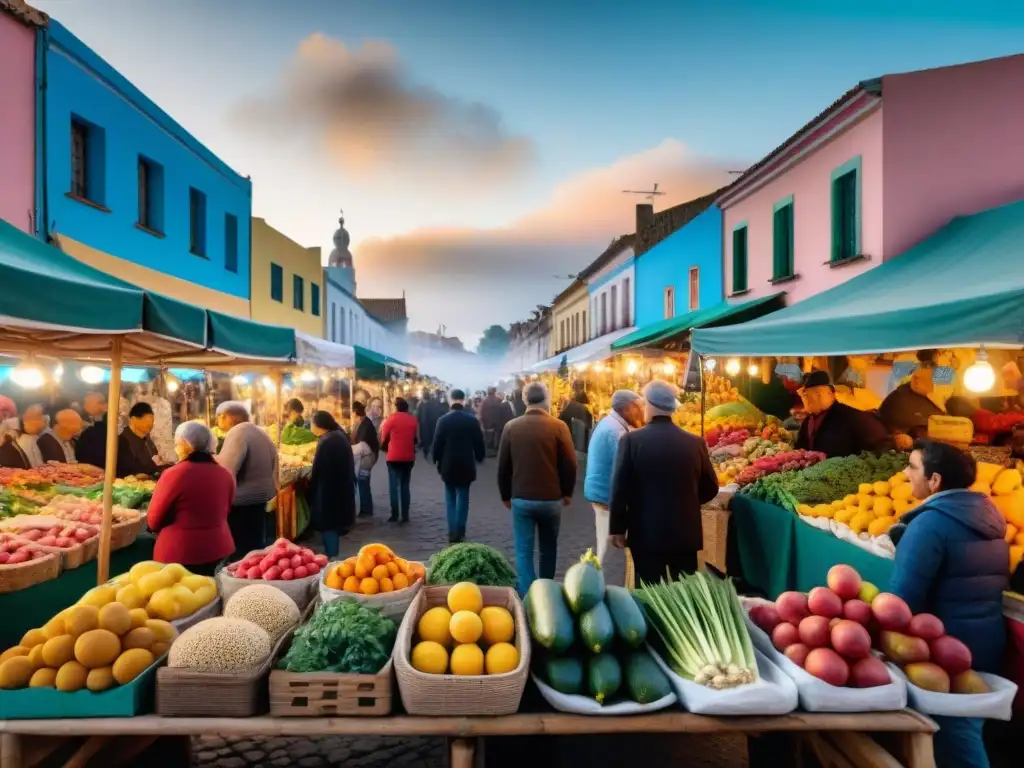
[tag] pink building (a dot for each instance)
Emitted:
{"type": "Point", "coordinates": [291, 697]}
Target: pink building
{"type": "Point", "coordinates": [889, 163]}
{"type": "Point", "coordinates": [18, 25]}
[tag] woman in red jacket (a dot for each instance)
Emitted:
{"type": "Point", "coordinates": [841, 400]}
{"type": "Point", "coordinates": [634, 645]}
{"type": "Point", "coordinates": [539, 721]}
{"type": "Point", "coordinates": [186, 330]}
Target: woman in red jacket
{"type": "Point", "coordinates": [191, 502]}
{"type": "Point", "coordinates": [398, 436]}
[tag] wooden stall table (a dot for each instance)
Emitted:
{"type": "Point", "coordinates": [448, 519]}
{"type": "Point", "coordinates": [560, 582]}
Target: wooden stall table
{"type": "Point", "coordinates": [836, 739]}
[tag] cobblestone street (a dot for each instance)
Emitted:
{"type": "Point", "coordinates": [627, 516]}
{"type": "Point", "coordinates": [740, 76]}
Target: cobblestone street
{"type": "Point", "coordinates": [425, 534]}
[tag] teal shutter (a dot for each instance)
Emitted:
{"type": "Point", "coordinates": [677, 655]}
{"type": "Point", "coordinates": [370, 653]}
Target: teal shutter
{"type": "Point", "coordinates": [739, 260]}
{"type": "Point", "coordinates": [782, 243]}
{"type": "Point", "coordinates": [844, 216]}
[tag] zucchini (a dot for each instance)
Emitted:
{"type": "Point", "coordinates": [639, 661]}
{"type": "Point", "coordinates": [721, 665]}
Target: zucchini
{"type": "Point", "coordinates": [627, 615]}
{"type": "Point", "coordinates": [645, 682]}
{"type": "Point", "coordinates": [564, 674]}
{"type": "Point", "coordinates": [604, 677]}
{"type": "Point", "coordinates": [584, 584]}
{"type": "Point", "coordinates": [596, 628]}
{"type": "Point", "coordinates": [551, 624]}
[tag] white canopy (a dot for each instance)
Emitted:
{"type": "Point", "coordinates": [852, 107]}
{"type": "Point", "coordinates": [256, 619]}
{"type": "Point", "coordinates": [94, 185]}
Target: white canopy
{"type": "Point", "coordinates": [310, 350]}
{"type": "Point", "coordinates": [589, 352]}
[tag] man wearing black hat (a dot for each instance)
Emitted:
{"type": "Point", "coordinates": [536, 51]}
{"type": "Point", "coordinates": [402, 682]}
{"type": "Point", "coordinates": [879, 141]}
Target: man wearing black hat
{"type": "Point", "coordinates": [833, 428]}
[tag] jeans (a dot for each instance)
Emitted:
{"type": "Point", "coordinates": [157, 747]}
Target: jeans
{"type": "Point", "coordinates": [958, 743]}
{"type": "Point", "coordinates": [602, 522]}
{"type": "Point", "coordinates": [332, 543]}
{"type": "Point", "coordinates": [530, 520]}
{"type": "Point", "coordinates": [456, 500]}
{"type": "Point", "coordinates": [365, 493]}
{"type": "Point", "coordinates": [399, 475]}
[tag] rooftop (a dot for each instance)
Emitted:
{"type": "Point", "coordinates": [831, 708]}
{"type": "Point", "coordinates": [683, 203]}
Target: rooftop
{"type": "Point", "coordinates": [386, 310]}
{"type": "Point", "coordinates": [24, 12]}
{"type": "Point", "coordinates": [672, 220]}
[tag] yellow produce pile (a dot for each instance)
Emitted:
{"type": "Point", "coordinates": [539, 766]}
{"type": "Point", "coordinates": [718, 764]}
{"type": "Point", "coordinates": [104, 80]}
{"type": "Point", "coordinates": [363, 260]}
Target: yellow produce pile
{"type": "Point", "coordinates": [166, 592]}
{"type": "Point", "coordinates": [96, 644]}
{"type": "Point", "coordinates": [1006, 489]}
{"type": "Point", "coordinates": [461, 629]}
{"type": "Point", "coordinates": [874, 509]}
{"type": "Point", "coordinates": [375, 569]}
{"type": "Point", "coordinates": [718, 391]}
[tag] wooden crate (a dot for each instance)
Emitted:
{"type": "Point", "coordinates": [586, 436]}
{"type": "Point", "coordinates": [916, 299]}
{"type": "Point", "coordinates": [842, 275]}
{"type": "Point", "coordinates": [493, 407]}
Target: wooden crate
{"type": "Point", "coordinates": [331, 694]}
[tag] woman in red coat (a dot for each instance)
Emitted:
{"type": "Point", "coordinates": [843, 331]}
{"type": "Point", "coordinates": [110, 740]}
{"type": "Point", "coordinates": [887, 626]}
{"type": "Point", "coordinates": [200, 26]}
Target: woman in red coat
{"type": "Point", "coordinates": [191, 502]}
{"type": "Point", "coordinates": [398, 437]}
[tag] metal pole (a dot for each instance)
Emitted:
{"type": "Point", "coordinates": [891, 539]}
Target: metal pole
{"type": "Point", "coordinates": [703, 391]}
{"type": "Point", "coordinates": [110, 467]}
{"type": "Point", "coordinates": [351, 402]}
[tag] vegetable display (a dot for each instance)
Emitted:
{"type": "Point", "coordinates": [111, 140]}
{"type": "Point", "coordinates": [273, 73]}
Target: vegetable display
{"type": "Point", "coordinates": [699, 623]}
{"type": "Point", "coordinates": [79, 509]}
{"type": "Point", "coordinates": [478, 563]}
{"type": "Point", "coordinates": [872, 510]}
{"type": "Point", "coordinates": [341, 636]}
{"type": "Point", "coordinates": [293, 434]}
{"type": "Point", "coordinates": [375, 569]}
{"type": "Point", "coordinates": [778, 461]}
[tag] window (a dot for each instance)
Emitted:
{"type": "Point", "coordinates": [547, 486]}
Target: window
{"type": "Point", "coordinates": [334, 321]}
{"type": "Point", "coordinates": [88, 161]}
{"type": "Point", "coordinates": [739, 259]}
{"type": "Point", "coordinates": [197, 221]}
{"type": "Point", "coordinates": [276, 283]}
{"type": "Point", "coordinates": [151, 195]}
{"type": "Point", "coordinates": [298, 293]}
{"type": "Point", "coordinates": [670, 302]}
{"type": "Point", "coordinates": [314, 299]}
{"type": "Point", "coordinates": [625, 304]}
{"type": "Point", "coordinates": [846, 210]}
{"type": "Point", "coordinates": [782, 239]}
{"type": "Point", "coordinates": [604, 314]}
{"type": "Point", "coordinates": [586, 328]}
{"type": "Point", "coordinates": [231, 243]}
{"type": "Point", "coordinates": [614, 304]}
{"type": "Point", "coordinates": [576, 329]}
{"type": "Point", "coordinates": [561, 333]}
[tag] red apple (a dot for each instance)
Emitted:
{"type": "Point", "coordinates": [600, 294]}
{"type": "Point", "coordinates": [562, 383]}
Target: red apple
{"type": "Point", "coordinates": [784, 635]}
{"type": "Point", "coordinates": [301, 572]}
{"type": "Point", "coordinates": [4, 557]}
{"type": "Point", "coordinates": [253, 573]}
{"type": "Point", "coordinates": [869, 672]}
{"type": "Point", "coordinates": [844, 581]}
{"type": "Point", "coordinates": [284, 562]}
{"type": "Point", "coordinates": [766, 616]}
{"type": "Point", "coordinates": [857, 610]}
{"type": "Point", "coordinates": [827, 665]}
{"type": "Point", "coordinates": [926, 626]}
{"type": "Point", "coordinates": [63, 542]}
{"type": "Point", "coordinates": [320, 560]}
{"type": "Point", "coordinates": [287, 575]}
{"type": "Point", "coordinates": [950, 654]}
{"type": "Point", "coordinates": [792, 607]}
{"type": "Point", "coordinates": [814, 631]}
{"type": "Point", "coordinates": [312, 568]}
{"type": "Point", "coordinates": [17, 557]}
{"type": "Point", "coordinates": [48, 541]}
{"type": "Point", "coordinates": [296, 561]}
{"type": "Point", "coordinates": [272, 573]}
{"type": "Point", "coordinates": [850, 639]}
{"type": "Point", "coordinates": [797, 653]}
{"type": "Point", "coordinates": [822, 601]}
{"type": "Point", "coordinates": [891, 612]}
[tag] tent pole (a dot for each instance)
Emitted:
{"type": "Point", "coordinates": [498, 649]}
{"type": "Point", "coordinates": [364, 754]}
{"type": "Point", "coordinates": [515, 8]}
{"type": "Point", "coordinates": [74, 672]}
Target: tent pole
{"type": "Point", "coordinates": [351, 402]}
{"type": "Point", "coordinates": [110, 468]}
{"type": "Point", "coordinates": [703, 390]}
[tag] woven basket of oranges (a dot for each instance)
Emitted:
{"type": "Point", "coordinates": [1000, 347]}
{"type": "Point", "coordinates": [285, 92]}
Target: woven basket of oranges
{"type": "Point", "coordinates": [375, 576]}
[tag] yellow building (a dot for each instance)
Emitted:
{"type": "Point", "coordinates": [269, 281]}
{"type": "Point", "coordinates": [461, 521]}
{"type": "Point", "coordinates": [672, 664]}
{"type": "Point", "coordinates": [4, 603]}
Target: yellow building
{"type": "Point", "coordinates": [569, 322]}
{"type": "Point", "coordinates": [287, 281]}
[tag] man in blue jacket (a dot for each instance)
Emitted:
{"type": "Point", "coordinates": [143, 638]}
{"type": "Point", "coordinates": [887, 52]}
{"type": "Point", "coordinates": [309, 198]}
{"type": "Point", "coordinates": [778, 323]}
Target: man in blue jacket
{"type": "Point", "coordinates": [952, 561]}
{"type": "Point", "coordinates": [627, 413]}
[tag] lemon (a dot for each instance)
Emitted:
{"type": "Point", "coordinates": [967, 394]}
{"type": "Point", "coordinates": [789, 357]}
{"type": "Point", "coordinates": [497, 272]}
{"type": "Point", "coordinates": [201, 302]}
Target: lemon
{"type": "Point", "coordinates": [501, 658]}
{"type": "Point", "coordinates": [467, 659]}
{"type": "Point", "coordinates": [433, 626]}
{"type": "Point", "coordinates": [466, 627]}
{"type": "Point", "coordinates": [498, 625]}
{"type": "Point", "coordinates": [130, 597]}
{"type": "Point", "coordinates": [430, 657]}
{"type": "Point", "coordinates": [465, 596]}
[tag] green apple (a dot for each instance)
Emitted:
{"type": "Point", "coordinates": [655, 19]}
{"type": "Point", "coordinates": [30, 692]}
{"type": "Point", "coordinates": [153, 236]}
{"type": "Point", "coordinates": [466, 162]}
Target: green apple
{"type": "Point", "coordinates": [868, 592]}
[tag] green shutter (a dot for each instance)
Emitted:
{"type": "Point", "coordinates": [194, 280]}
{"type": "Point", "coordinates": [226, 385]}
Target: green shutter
{"type": "Point", "coordinates": [739, 259]}
{"type": "Point", "coordinates": [782, 242]}
{"type": "Point", "coordinates": [846, 192]}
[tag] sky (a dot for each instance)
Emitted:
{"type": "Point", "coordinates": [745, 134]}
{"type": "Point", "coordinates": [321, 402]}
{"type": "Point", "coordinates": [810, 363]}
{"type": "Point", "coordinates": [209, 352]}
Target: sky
{"type": "Point", "coordinates": [480, 149]}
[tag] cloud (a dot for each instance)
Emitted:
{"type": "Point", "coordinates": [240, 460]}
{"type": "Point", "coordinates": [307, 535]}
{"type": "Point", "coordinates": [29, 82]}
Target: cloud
{"type": "Point", "coordinates": [468, 278]}
{"type": "Point", "coordinates": [361, 106]}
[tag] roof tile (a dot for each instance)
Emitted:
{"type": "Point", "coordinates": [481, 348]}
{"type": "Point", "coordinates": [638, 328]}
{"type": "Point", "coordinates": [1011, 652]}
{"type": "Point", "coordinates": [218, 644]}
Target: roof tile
{"type": "Point", "coordinates": [24, 12]}
{"type": "Point", "coordinates": [386, 310]}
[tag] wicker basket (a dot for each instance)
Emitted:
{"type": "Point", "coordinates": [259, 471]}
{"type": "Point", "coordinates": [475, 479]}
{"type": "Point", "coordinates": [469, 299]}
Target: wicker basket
{"type": "Point", "coordinates": [302, 591]}
{"type": "Point", "coordinates": [715, 525]}
{"type": "Point", "coordinates": [454, 695]}
{"type": "Point", "coordinates": [393, 605]}
{"type": "Point", "coordinates": [124, 534]}
{"type": "Point", "coordinates": [24, 575]}
{"type": "Point", "coordinates": [330, 694]}
{"type": "Point", "coordinates": [187, 693]}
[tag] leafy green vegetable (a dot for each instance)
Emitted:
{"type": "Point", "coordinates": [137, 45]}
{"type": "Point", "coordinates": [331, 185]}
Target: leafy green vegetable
{"type": "Point", "coordinates": [293, 434]}
{"type": "Point", "coordinates": [342, 636]}
{"type": "Point", "coordinates": [478, 563]}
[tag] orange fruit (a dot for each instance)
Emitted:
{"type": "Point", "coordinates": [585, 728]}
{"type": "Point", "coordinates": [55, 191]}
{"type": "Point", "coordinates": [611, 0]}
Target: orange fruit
{"type": "Point", "coordinates": [400, 580]}
{"type": "Point", "coordinates": [383, 558]}
{"type": "Point", "coordinates": [416, 572]}
{"type": "Point", "coordinates": [364, 566]}
{"type": "Point", "coordinates": [334, 580]}
{"type": "Point", "coordinates": [392, 568]}
{"type": "Point", "coordinates": [380, 572]}
{"type": "Point", "coordinates": [346, 569]}
{"type": "Point", "coordinates": [386, 585]}
{"type": "Point", "coordinates": [351, 584]}
{"type": "Point", "coordinates": [369, 586]}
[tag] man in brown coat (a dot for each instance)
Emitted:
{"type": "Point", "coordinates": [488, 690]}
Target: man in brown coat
{"type": "Point", "coordinates": [536, 478]}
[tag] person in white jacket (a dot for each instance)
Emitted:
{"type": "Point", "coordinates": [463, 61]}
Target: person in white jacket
{"type": "Point", "coordinates": [627, 413]}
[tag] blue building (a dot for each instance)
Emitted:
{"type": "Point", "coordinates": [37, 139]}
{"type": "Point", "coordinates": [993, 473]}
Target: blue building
{"type": "Point", "coordinates": [678, 262]}
{"type": "Point", "coordinates": [123, 187]}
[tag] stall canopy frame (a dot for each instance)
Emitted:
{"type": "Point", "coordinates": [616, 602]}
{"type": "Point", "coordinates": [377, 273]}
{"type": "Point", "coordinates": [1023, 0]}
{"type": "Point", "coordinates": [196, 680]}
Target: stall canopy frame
{"type": "Point", "coordinates": [962, 287]}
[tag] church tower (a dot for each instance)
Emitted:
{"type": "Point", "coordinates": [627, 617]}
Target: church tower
{"type": "Point", "coordinates": [340, 266]}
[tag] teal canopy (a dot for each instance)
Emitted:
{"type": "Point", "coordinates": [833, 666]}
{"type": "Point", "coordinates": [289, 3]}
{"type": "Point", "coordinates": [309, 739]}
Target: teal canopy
{"type": "Point", "coordinates": [374, 365]}
{"type": "Point", "coordinates": [724, 313]}
{"type": "Point", "coordinates": [963, 286]}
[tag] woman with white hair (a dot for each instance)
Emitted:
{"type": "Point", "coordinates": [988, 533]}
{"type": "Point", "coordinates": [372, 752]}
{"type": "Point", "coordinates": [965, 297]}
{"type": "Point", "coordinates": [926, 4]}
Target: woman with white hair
{"type": "Point", "coordinates": [191, 502]}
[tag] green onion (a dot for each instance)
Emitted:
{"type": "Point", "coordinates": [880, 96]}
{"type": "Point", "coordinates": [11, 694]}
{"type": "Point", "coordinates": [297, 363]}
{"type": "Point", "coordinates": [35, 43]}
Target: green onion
{"type": "Point", "coordinates": [699, 622]}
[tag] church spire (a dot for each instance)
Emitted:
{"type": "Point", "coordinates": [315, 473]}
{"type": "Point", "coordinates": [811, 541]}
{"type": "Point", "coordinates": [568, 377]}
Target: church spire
{"type": "Point", "coordinates": [341, 256]}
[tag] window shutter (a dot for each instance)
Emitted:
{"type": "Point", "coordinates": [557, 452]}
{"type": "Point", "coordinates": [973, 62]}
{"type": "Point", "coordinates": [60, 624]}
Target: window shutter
{"type": "Point", "coordinates": [739, 260]}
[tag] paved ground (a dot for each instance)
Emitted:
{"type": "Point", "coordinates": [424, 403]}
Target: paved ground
{"type": "Point", "coordinates": [425, 534]}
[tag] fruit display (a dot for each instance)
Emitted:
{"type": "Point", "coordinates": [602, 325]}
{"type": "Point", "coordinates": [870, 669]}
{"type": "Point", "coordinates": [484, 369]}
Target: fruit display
{"type": "Point", "coordinates": [341, 636]}
{"type": "Point", "coordinates": [591, 638]}
{"type": "Point", "coordinates": [62, 535]}
{"type": "Point", "coordinates": [840, 633]}
{"type": "Point", "coordinates": [15, 550]}
{"type": "Point", "coordinates": [464, 637]}
{"type": "Point", "coordinates": [478, 563]}
{"type": "Point", "coordinates": [157, 590]}
{"type": "Point", "coordinates": [266, 607]}
{"type": "Point", "coordinates": [80, 509]}
{"type": "Point", "coordinates": [282, 561]}
{"type": "Point", "coordinates": [86, 647]}
{"type": "Point", "coordinates": [872, 510]}
{"type": "Point", "coordinates": [375, 569]}
{"type": "Point", "coordinates": [827, 481]}
{"type": "Point", "coordinates": [1003, 485]}
{"type": "Point", "coordinates": [69, 475]}
{"type": "Point", "coordinates": [699, 624]}
{"type": "Point", "coordinates": [221, 645]}
{"type": "Point", "coordinates": [718, 390]}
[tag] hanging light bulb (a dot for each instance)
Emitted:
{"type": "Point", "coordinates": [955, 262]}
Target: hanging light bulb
{"type": "Point", "coordinates": [172, 386]}
{"type": "Point", "coordinates": [239, 380]}
{"type": "Point", "coordinates": [732, 367]}
{"type": "Point", "coordinates": [669, 368]}
{"type": "Point", "coordinates": [28, 376]}
{"type": "Point", "coordinates": [710, 363]}
{"type": "Point", "coordinates": [91, 374]}
{"type": "Point", "coordinates": [58, 372]}
{"type": "Point", "coordinates": [753, 370]}
{"type": "Point", "coordinates": [308, 376]}
{"type": "Point", "coordinates": [980, 376]}
{"type": "Point", "coordinates": [267, 382]}
{"type": "Point", "coordinates": [631, 367]}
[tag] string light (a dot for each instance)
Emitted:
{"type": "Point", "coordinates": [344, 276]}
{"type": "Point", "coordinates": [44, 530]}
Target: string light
{"type": "Point", "coordinates": [308, 376]}
{"type": "Point", "coordinates": [669, 368]}
{"type": "Point", "coordinates": [58, 372]}
{"type": "Point", "coordinates": [631, 367]}
{"type": "Point", "coordinates": [732, 367]}
{"type": "Point", "coordinates": [239, 380]}
{"type": "Point", "coordinates": [753, 370]}
{"type": "Point", "coordinates": [172, 386]}
{"type": "Point", "coordinates": [91, 374]}
{"type": "Point", "coordinates": [980, 376]}
{"type": "Point", "coordinates": [710, 363]}
{"type": "Point", "coordinates": [28, 376]}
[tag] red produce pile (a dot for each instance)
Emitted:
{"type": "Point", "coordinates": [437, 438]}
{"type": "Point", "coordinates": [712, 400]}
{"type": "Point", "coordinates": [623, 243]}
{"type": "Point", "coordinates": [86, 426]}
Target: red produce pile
{"type": "Point", "coordinates": [780, 462]}
{"type": "Point", "coordinates": [62, 536]}
{"type": "Point", "coordinates": [14, 550]}
{"type": "Point", "coordinates": [283, 561]}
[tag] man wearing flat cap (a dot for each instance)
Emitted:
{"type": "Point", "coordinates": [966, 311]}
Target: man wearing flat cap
{"type": "Point", "coordinates": [662, 477]}
{"type": "Point", "coordinates": [834, 428]}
